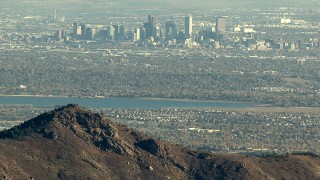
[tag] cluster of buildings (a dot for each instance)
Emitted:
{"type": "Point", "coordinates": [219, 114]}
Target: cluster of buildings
{"type": "Point", "coordinates": [228, 131]}
{"type": "Point", "coordinates": [231, 32]}
{"type": "Point", "coordinates": [150, 33]}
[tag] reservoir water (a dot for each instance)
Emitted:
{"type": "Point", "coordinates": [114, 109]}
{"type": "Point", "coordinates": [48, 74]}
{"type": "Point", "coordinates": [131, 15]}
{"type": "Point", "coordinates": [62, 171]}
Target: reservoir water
{"type": "Point", "coordinates": [124, 103]}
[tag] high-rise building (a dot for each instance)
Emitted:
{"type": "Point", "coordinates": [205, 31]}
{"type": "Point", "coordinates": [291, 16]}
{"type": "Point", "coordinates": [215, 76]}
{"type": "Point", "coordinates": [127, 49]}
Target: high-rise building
{"type": "Point", "coordinates": [221, 23]}
{"type": "Point", "coordinates": [103, 34]}
{"type": "Point", "coordinates": [58, 35]}
{"type": "Point", "coordinates": [122, 32]}
{"type": "Point", "coordinates": [151, 20]}
{"type": "Point", "coordinates": [75, 28]}
{"type": "Point", "coordinates": [116, 32]}
{"type": "Point", "coordinates": [136, 34]}
{"type": "Point", "coordinates": [156, 32]}
{"type": "Point", "coordinates": [110, 33]}
{"type": "Point", "coordinates": [64, 33]}
{"type": "Point", "coordinates": [171, 30]}
{"type": "Point", "coordinates": [180, 37]}
{"type": "Point", "coordinates": [188, 26]}
{"type": "Point", "coordinates": [90, 33]}
{"type": "Point", "coordinates": [149, 26]}
{"type": "Point", "coordinates": [83, 31]}
{"type": "Point", "coordinates": [143, 33]}
{"type": "Point", "coordinates": [208, 33]}
{"type": "Point", "coordinates": [55, 16]}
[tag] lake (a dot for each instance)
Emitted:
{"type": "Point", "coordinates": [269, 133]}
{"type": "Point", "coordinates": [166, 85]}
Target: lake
{"type": "Point", "coordinates": [124, 103]}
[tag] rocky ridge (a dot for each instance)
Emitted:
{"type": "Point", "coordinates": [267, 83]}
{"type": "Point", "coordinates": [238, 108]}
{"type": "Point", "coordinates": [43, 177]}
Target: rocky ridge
{"type": "Point", "coordinates": [75, 143]}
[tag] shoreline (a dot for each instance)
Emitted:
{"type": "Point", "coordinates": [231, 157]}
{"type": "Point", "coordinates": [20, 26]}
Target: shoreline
{"type": "Point", "coordinates": [143, 98]}
{"type": "Point", "coordinates": [266, 108]}
{"type": "Point", "coordinates": [193, 100]}
{"type": "Point", "coordinates": [269, 109]}
{"type": "Point", "coordinates": [27, 95]}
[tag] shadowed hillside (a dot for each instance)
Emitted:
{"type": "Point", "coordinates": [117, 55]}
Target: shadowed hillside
{"type": "Point", "coordinates": [75, 143]}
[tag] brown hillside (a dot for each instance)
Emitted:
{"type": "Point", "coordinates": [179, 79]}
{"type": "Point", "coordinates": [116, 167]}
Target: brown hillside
{"type": "Point", "coordinates": [75, 143]}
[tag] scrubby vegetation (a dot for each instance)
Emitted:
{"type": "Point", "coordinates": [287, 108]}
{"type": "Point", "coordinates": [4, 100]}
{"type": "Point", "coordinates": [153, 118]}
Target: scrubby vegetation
{"type": "Point", "coordinates": [166, 74]}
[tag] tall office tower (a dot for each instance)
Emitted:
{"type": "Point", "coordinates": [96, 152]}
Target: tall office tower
{"type": "Point", "coordinates": [65, 36]}
{"type": "Point", "coordinates": [209, 33]}
{"type": "Point", "coordinates": [103, 34]}
{"type": "Point", "coordinates": [136, 36]}
{"type": "Point", "coordinates": [110, 33]}
{"type": "Point", "coordinates": [78, 31]}
{"type": "Point", "coordinates": [130, 35]}
{"type": "Point", "coordinates": [159, 32]}
{"type": "Point", "coordinates": [143, 33]}
{"type": "Point", "coordinates": [151, 19]}
{"type": "Point", "coordinates": [89, 33]}
{"type": "Point", "coordinates": [171, 30]}
{"type": "Point", "coordinates": [149, 26]}
{"type": "Point", "coordinates": [83, 31]}
{"type": "Point", "coordinates": [75, 28]}
{"type": "Point", "coordinates": [122, 32]}
{"type": "Point", "coordinates": [116, 32]}
{"type": "Point", "coordinates": [221, 23]}
{"type": "Point", "coordinates": [94, 32]}
{"type": "Point", "coordinates": [58, 35]}
{"type": "Point", "coordinates": [156, 32]}
{"type": "Point", "coordinates": [180, 37]}
{"type": "Point", "coordinates": [55, 16]}
{"type": "Point", "coordinates": [188, 26]}
{"type": "Point", "coordinates": [64, 33]}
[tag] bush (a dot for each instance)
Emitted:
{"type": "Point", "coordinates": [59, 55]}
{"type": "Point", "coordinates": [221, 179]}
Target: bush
{"type": "Point", "coordinates": [305, 153]}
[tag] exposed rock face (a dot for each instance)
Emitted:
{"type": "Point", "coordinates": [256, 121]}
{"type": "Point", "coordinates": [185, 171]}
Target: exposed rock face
{"type": "Point", "coordinates": [75, 143]}
{"type": "Point", "coordinates": [149, 145]}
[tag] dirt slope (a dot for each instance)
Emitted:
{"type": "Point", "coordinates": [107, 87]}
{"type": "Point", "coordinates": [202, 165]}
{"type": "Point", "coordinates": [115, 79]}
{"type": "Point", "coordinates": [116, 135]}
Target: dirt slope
{"type": "Point", "coordinates": [75, 143]}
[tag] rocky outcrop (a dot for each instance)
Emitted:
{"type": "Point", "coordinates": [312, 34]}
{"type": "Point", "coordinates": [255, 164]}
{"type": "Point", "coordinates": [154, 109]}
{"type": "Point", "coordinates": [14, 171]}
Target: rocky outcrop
{"type": "Point", "coordinates": [75, 143]}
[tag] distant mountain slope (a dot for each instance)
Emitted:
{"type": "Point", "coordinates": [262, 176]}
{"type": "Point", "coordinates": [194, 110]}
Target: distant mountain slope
{"type": "Point", "coordinates": [75, 143]}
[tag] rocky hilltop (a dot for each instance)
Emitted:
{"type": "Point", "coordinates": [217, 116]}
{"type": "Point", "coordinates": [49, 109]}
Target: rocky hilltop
{"type": "Point", "coordinates": [74, 143]}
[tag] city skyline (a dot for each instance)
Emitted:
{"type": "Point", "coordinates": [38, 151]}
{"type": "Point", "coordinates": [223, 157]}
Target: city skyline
{"type": "Point", "coordinates": [152, 33]}
{"type": "Point", "coordinates": [242, 29]}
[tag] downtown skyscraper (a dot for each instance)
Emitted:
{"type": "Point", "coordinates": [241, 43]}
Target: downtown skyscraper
{"type": "Point", "coordinates": [221, 23]}
{"type": "Point", "coordinates": [171, 30]}
{"type": "Point", "coordinates": [188, 26]}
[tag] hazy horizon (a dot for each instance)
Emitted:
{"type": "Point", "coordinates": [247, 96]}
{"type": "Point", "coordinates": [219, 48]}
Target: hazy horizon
{"type": "Point", "coordinates": [73, 8]}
